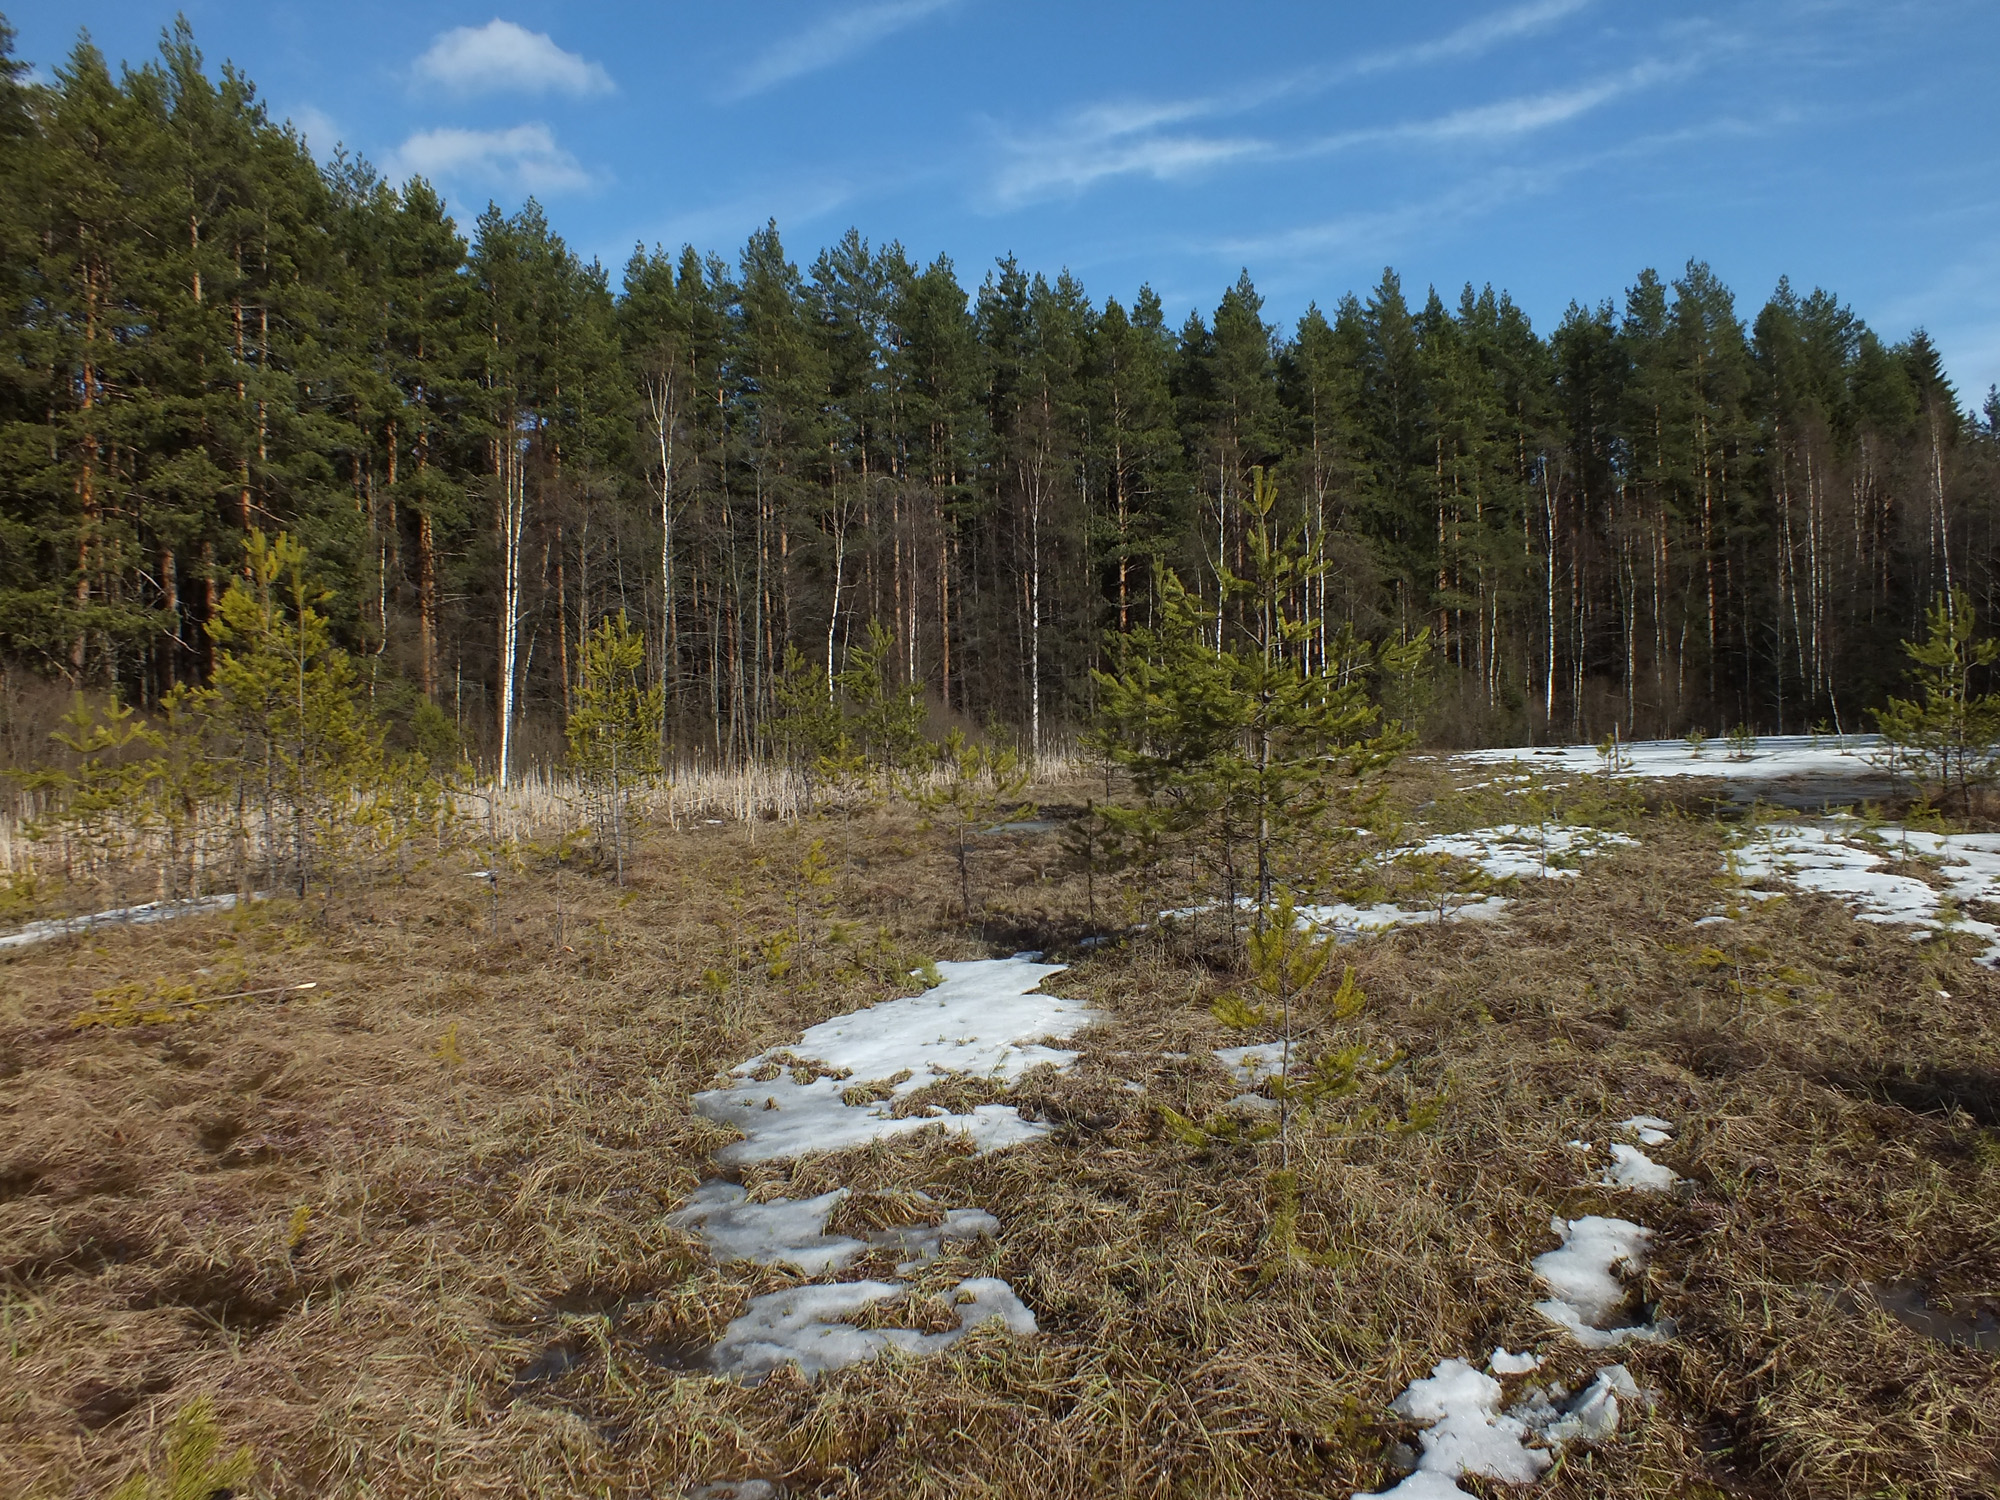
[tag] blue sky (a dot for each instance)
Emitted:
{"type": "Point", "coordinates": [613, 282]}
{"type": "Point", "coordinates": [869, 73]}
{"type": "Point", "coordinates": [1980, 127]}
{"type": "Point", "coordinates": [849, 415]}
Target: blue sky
{"type": "Point", "coordinates": [1550, 147]}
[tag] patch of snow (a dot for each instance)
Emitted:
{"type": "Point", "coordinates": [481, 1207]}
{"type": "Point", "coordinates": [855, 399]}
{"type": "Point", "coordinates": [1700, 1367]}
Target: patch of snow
{"type": "Point", "coordinates": [983, 1020]}
{"type": "Point", "coordinates": [1503, 1363]}
{"type": "Point", "coordinates": [1774, 756]}
{"type": "Point", "coordinates": [123, 916]}
{"type": "Point", "coordinates": [1255, 1102]}
{"type": "Point", "coordinates": [1583, 1274]}
{"type": "Point", "coordinates": [1524, 851]}
{"type": "Point", "coordinates": [784, 1231]}
{"type": "Point", "coordinates": [1251, 1065]}
{"type": "Point", "coordinates": [1713, 921]}
{"type": "Point", "coordinates": [1651, 1129]}
{"type": "Point", "coordinates": [1467, 1434]}
{"type": "Point", "coordinates": [801, 1326]}
{"type": "Point", "coordinates": [1632, 1168]}
{"type": "Point", "coordinates": [1840, 858]}
{"type": "Point", "coordinates": [1346, 921]}
{"type": "Point", "coordinates": [1591, 1416]}
{"type": "Point", "coordinates": [788, 1232]}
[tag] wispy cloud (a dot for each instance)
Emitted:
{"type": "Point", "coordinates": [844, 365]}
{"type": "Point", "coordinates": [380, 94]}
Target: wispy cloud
{"type": "Point", "coordinates": [1134, 139]}
{"type": "Point", "coordinates": [503, 57]}
{"type": "Point", "coordinates": [1467, 41]}
{"type": "Point", "coordinates": [1505, 119]}
{"type": "Point", "coordinates": [1137, 138]}
{"type": "Point", "coordinates": [831, 40]}
{"type": "Point", "coordinates": [524, 158]}
{"type": "Point", "coordinates": [1110, 142]}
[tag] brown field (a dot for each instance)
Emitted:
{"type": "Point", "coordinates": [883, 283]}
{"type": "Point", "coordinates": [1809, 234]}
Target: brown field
{"type": "Point", "coordinates": [406, 1229]}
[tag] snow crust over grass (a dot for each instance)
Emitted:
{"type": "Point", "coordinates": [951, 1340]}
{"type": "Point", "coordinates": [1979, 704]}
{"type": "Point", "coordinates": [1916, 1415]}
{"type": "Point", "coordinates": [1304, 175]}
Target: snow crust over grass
{"type": "Point", "coordinates": [1632, 1168]}
{"type": "Point", "coordinates": [1467, 1435]}
{"type": "Point", "coordinates": [803, 1325]}
{"type": "Point", "coordinates": [1650, 1129]}
{"type": "Point", "coordinates": [1507, 851]}
{"type": "Point", "coordinates": [1583, 1275]}
{"type": "Point", "coordinates": [1526, 851]}
{"type": "Point", "coordinates": [984, 1020]}
{"type": "Point", "coordinates": [123, 916]}
{"type": "Point", "coordinates": [792, 1232]}
{"type": "Point", "coordinates": [1252, 1065]}
{"type": "Point", "coordinates": [1772, 757]}
{"type": "Point", "coordinates": [1844, 858]}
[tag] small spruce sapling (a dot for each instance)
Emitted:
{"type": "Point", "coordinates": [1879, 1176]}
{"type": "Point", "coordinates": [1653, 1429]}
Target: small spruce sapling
{"type": "Point", "coordinates": [1742, 742]}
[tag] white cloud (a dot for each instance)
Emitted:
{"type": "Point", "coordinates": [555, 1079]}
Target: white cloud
{"type": "Point", "coordinates": [1064, 163]}
{"type": "Point", "coordinates": [1126, 138]}
{"type": "Point", "coordinates": [1471, 39]}
{"type": "Point", "coordinates": [501, 56]}
{"type": "Point", "coordinates": [524, 157]}
{"type": "Point", "coordinates": [316, 126]}
{"type": "Point", "coordinates": [831, 40]}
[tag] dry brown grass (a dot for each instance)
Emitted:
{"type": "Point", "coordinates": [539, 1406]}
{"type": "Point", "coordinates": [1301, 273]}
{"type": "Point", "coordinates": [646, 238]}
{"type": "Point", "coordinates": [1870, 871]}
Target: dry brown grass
{"type": "Point", "coordinates": [408, 1230]}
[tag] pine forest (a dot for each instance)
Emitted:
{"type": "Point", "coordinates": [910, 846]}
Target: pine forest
{"type": "Point", "coordinates": [1669, 511]}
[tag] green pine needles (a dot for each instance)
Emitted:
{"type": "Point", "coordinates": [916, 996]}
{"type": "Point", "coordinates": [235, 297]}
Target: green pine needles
{"type": "Point", "coordinates": [1239, 736]}
{"type": "Point", "coordinates": [1946, 737]}
{"type": "Point", "coordinates": [614, 732]}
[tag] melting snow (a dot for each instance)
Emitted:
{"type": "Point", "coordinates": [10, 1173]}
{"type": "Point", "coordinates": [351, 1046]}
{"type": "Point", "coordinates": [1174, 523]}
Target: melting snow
{"type": "Point", "coordinates": [802, 1325]}
{"type": "Point", "coordinates": [1525, 850]}
{"type": "Point", "coordinates": [1467, 1435]}
{"type": "Point", "coordinates": [1844, 859]}
{"type": "Point", "coordinates": [1251, 1065]}
{"type": "Point", "coordinates": [124, 916]}
{"type": "Point", "coordinates": [1583, 1276]}
{"type": "Point", "coordinates": [982, 1020]}
{"type": "Point", "coordinates": [1651, 1129]}
{"type": "Point", "coordinates": [1590, 1417]}
{"type": "Point", "coordinates": [1772, 756]}
{"type": "Point", "coordinates": [1632, 1168]}
{"type": "Point", "coordinates": [1503, 1363]}
{"type": "Point", "coordinates": [792, 1232]}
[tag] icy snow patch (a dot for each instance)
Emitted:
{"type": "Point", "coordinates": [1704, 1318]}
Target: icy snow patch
{"type": "Point", "coordinates": [981, 1020]}
{"type": "Point", "coordinates": [1589, 1417]}
{"type": "Point", "coordinates": [1632, 1168]}
{"type": "Point", "coordinates": [1583, 1275]}
{"type": "Point", "coordinates": [1467, 1434]}
{"type": "Point", "coordinates": [800, 1325]}
{"type": "Point", "coordinates": [1650, 1129]}
{"type": "Point", "coordinates": [123, 916]}
{"type": "Point", "coordinates": [784, 1231]}
{"type": "Point", "coordinates": [1252, 1065]}
{"type": "Point", "coordinates": [1843, 859]}
{"type": "Point", "coordinates": [792, 1232]}
{"type": "Point", "coordinates": [1773, 756]}
{"type": "Point", "coordinates": [1524, 850]}
{"type": "Point", "coordinates": [1503, 1363]}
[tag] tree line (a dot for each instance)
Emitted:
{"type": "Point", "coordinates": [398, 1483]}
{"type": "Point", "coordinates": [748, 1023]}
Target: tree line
{"type": "Point", "coordinates": [1660, 514]}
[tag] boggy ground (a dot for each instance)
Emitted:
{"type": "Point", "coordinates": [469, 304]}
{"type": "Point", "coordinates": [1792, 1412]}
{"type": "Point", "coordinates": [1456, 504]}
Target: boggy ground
{"type": "Point", "coordinates": [407, 1229]}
